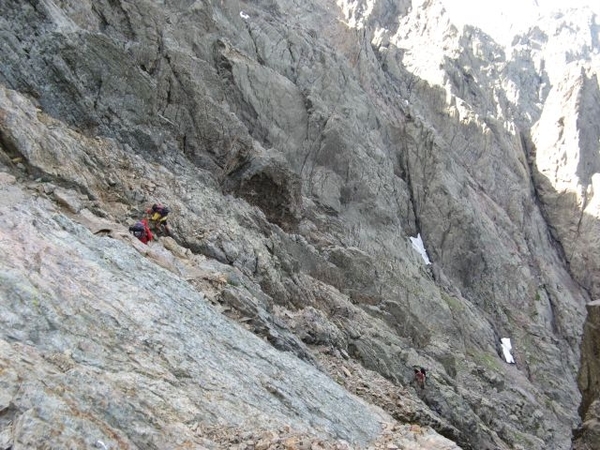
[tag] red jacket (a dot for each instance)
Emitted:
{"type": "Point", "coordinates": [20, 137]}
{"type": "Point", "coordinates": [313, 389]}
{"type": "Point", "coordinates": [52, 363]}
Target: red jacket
{"type": "Point", "coordinates": [147, 236]}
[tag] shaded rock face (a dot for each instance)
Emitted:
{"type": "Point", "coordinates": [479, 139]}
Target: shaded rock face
{"type": "Point", "coordinates": [299, 146]}
{"type": "Point", "coordinates": [588, 436]}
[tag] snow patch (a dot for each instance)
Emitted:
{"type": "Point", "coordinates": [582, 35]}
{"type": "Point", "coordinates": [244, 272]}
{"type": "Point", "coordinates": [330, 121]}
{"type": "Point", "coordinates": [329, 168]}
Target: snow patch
{"type": "Point", "coordinates": [506, 348]}
{"type": "Point", "coordinates": [417, 244]}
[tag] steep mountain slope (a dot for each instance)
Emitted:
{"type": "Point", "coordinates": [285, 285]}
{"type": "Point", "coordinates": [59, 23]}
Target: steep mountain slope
{"type": "Point", "coordinates": [300, 145]}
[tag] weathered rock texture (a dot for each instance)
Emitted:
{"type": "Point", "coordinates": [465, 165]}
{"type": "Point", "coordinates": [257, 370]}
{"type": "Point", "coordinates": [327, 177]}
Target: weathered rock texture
{"type": "Point", "coordinates": [299, 145]}
{"type": "Point", "coordinates": [588, 435]}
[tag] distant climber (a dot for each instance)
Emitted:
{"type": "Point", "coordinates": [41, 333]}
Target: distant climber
{"type": "Point", "coordinates": [141, 230]}
{"type": "Point", "coordinates": [420, 377]}
{"type": "Point", "coordinates": [157, 215]}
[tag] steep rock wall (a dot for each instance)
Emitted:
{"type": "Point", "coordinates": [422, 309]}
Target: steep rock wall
{"type": "Point", "coordinates": [588, 436]}
{"type": "Point", "coordinates": [336, 151]}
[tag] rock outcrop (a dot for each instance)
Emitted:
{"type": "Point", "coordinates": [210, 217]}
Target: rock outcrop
{"type": "Point", "coordinates": [588, 435]}
{"type": "Point", "coordinates": [299, 146]}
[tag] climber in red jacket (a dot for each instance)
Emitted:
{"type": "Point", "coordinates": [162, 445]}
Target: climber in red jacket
{"type": "Point", "coordinates": [420, 376]}
{"type": "Point", "coordinates": [141, 230]}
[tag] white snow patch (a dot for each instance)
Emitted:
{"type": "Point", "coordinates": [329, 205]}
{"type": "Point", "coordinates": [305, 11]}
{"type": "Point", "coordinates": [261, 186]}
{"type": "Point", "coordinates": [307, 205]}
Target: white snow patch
{"type": "Point", "coordinates": [244, 16]}
{"type": "Point", "coordinates": [506, 348]}
{"type": "Point", "coordinates": [417, 244]}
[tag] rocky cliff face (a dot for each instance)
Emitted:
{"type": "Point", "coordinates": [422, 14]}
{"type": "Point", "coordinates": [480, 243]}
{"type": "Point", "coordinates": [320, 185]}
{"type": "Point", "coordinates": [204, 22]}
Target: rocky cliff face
{"type": "Point", "coordinates": [300, 146]}
{"type": "Point", "coordinates": [589, 382]}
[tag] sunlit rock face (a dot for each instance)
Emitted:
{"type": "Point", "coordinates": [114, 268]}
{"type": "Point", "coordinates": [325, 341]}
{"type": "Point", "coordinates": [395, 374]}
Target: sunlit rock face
{"type": "Point", "coordinates": [300, 145]}
{"type": "Point", "coordinates": [102, 346]}
{"type": "Point", "coordinates": [566, 143]}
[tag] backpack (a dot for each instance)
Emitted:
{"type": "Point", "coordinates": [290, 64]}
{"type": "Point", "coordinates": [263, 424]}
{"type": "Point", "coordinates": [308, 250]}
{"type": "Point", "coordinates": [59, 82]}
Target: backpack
{"type": "Point", "coordinates": [160, 209]}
